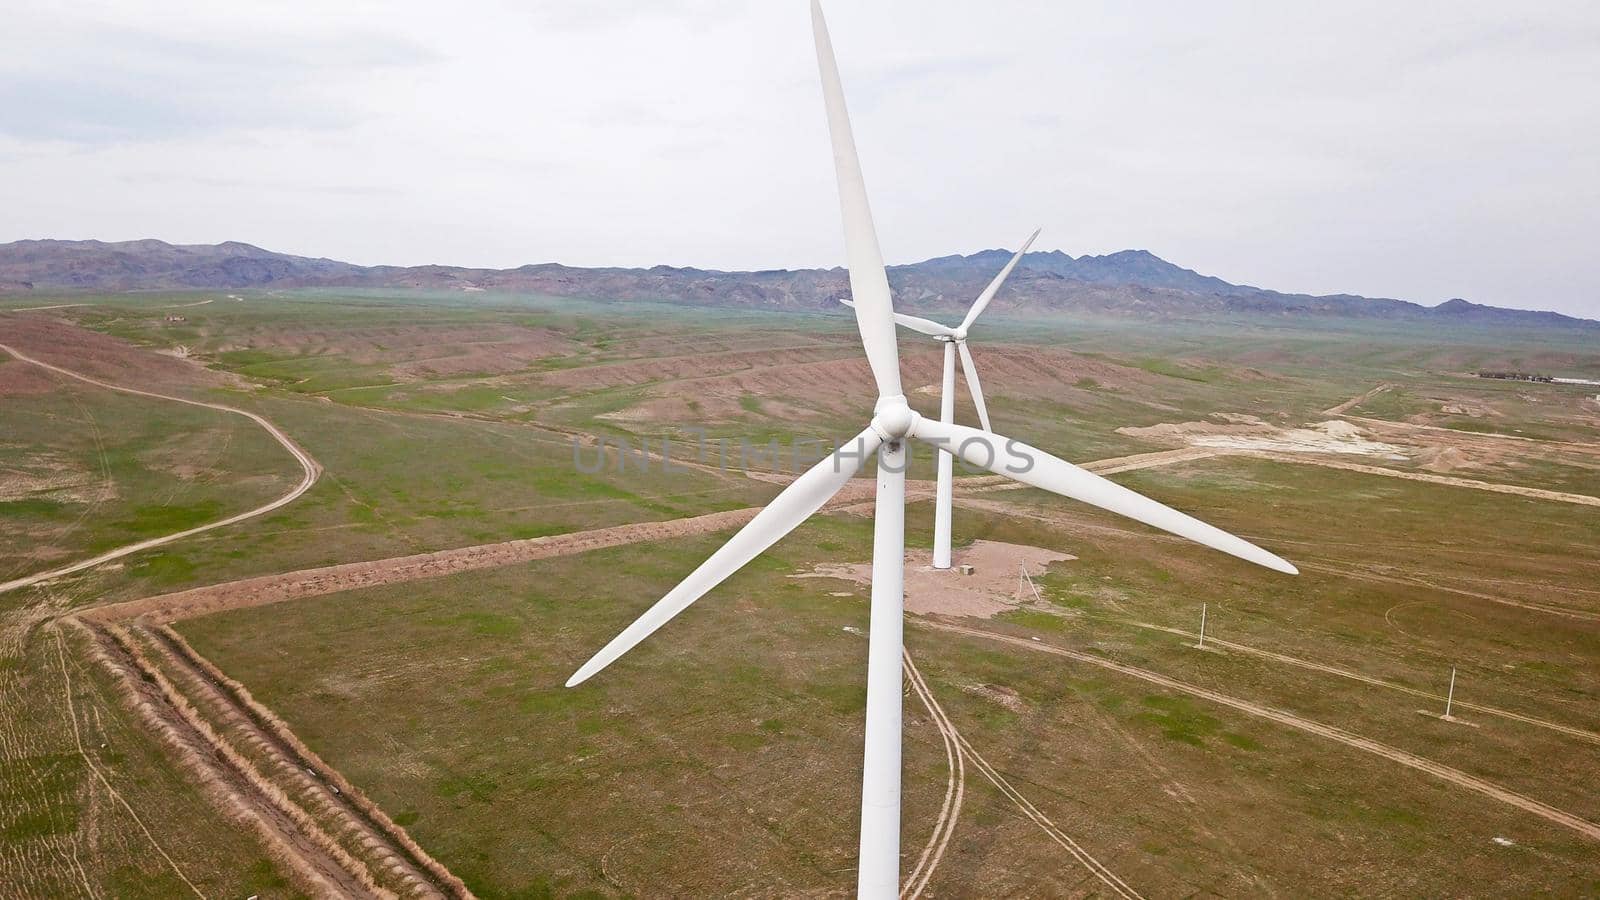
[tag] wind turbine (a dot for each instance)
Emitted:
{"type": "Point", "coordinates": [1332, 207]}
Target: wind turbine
{"type": "Point", "coordinates": [892, 423]}
{"type": "Point", "coordinates": [955, 341]}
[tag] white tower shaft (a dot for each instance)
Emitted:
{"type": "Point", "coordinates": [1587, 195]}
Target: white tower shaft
{"type": "Point", "coordinates": [945, 492]}
{"type": "Point", "coordinates": [878, 870]}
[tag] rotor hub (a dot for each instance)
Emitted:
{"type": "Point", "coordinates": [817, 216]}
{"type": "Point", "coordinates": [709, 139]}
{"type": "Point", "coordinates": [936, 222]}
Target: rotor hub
{"type": "Point", "coordinates": [893, 418]}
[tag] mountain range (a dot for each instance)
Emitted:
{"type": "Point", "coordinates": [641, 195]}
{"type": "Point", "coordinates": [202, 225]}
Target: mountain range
{"type": "Point", "coordinates": [1130, 283]}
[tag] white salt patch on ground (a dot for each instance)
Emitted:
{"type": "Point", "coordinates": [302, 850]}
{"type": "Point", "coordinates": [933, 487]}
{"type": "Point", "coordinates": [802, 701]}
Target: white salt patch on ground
{"type": "Point", "coordinates": [1242, 432]}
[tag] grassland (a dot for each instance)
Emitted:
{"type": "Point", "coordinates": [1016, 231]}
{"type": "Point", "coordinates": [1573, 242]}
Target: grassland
{"type": "Point", "coordinates": [742, 719]}
{"type": "Point", "coordinates": [87, 469]}
{"type": "Point", "coordinates": [722, 756]}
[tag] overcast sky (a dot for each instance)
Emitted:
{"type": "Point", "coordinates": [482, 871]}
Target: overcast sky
{"type": "Point", "coordinates": [1413, 150]}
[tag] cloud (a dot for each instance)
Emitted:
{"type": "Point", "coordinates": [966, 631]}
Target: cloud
{"type": "Point", "coordinates": [100, 84]}
{"type": "Point", "coordinates": [1423, 151]}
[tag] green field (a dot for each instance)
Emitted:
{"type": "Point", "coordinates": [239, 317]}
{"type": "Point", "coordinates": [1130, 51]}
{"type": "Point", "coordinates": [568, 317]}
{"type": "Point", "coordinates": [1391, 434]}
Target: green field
{"type": "Point", "coordinates": [722, 756]}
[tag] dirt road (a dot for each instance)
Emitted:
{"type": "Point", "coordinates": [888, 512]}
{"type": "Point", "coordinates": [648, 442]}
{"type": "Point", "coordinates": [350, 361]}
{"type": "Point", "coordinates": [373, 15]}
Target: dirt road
{"type": "Point", "coordinates": [350, 576]}
{"type": "Point", "coordinates": [267, 589]}
{"type": "Point", "coordinates": [1451, 480]}
{"type": "Point", "coordinates": [1356, 401]}
{"type": "Point", "coordinates": [309, 468]}
{"type": "Point", "coordinates": [1446, 773]}
{"type": "Point", "coordinates": [1347, 571]}
{"type": "Point", "coordinates": [1579, 733]}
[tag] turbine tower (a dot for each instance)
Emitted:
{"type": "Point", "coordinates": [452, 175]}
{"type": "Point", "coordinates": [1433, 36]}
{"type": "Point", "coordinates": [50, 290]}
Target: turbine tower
{"type": "Point", "coordinates": [955, 341]}
{"type": "Point", "coordinates": [893, 423]}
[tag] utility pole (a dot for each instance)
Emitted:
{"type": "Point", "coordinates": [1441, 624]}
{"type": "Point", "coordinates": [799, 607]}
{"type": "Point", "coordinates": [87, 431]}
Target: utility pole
{"type": "Point", "coordinates": [1202, 644]}
{"type": "Point", "coordinates": [1028, 580]}
{"type": "Point", "coordinates": [1450, 698]}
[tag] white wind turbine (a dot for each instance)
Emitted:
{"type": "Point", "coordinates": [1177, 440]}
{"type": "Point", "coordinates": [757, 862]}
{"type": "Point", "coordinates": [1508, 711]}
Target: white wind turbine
{"type": "Point", "coordinates": [893, 422]}
{"type": "Point", "coordinates": [955, 340]}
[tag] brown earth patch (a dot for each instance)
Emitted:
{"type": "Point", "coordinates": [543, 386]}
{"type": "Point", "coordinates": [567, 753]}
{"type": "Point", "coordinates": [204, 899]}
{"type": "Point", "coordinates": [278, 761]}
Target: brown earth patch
{"type": "Point", "coordinates": [1471, 410]}
{"type": "Point", "coordinates": [18, 379]}
{"type": "Point", "coordinates": [48, 475]}
{"type": "Point", "coordinates": [994, 586]}
{"type": "Point", "coordinates": [995, 693]}
{"type": "Point", "coordinates": [809, 381]}
{"type": "Point", "coordinates": [1248, 433]}
{"type": "Point", "coordinates": [693, 366]}
{"type": "Point", "coordinates": [1442, 459]}
{"type": "Point", "coordinates": [99, 356]}
{"type": "Point", "coordinates": [415, 352]}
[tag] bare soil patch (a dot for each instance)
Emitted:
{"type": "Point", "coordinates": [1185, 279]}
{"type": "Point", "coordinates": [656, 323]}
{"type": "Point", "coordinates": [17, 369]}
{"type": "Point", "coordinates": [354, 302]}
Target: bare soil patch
{"type": "Point", "coordinates": [18, 379]}
{"type": "Point", "coordinates": [1356, 401]}
{"type": "Point", "coordinates": [49, 475]}
{"type": "Point", "coordinates": [827, 381]}
{"type": "Point", "coordinates": [1243, 432]}
{"type": "Point", "coordinates": [414, 352]}
{"type": "Point", "coordinates": [99, 356]}
{"type": "Point", "coordinates": [994, 586]}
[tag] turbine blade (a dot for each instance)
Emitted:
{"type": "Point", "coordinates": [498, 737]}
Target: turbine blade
{"type": "Point", "coordinates": [925, 326]}
{"type": "Point", "coordinates": [1036, 468]}
{"type": "Point", "coordinates": [982, 302]}
{"type": "Point", "coordinates": [971, 371]}
{"type": "Point", "coordinates": [869, 285]}
{"type": "Point", "coordinates": [804, 496]}
{"type": "Point", "coordinates": [915, 323]}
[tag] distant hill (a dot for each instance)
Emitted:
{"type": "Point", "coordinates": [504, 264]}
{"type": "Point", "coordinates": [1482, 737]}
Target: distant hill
{"type": "Point", "coordinates": [147, 264]}
{"type": "Point", "coordinates": [1131, 283]}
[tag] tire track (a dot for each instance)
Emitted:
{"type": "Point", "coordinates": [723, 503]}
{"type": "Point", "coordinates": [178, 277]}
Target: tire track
{"type": "Point", "coordinates": [1579, 733]}
{"type": "Point", "coordinates": [954, 792]}
{"type": "Point", "coordinates": [1449, 480]}
{"type": "Point", "coordinates": [77, 739]}
{"type": "Point", "coordinates": [1095, 867]}
{"type": "Point", "coordinates": [320, 795]}
{"type": "Point", "coordinates": [1360, 575]}
{"type": "Point", "coordinates": [1350, 739]}
{"type": "Point", "coordinates": [222, 777]}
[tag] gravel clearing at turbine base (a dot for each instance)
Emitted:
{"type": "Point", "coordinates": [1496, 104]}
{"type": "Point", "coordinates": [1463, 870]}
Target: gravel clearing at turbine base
{"type": "Point", "coordinates": [994, 586]}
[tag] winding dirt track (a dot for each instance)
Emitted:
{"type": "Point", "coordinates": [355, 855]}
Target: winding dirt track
{"type": "Point", "coordinates": [1446, 773]}
{"type": "Point", "coordinates": [308, 466]}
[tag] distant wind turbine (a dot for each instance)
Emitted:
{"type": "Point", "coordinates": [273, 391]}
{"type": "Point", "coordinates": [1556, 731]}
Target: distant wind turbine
{"type": "Point", "coordinates": [955, 340]}
{"type": "Point", "coordinates": [892, 423]}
